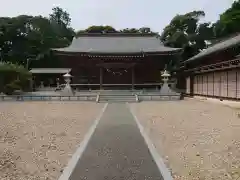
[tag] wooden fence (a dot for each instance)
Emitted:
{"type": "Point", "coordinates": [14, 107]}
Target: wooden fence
{"type": "Point", "coordinates": [224, 84]}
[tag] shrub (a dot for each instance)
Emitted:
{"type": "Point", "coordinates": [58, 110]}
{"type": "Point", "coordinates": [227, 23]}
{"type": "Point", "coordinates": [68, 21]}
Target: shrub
{"type": "Point", "coordinates": [13, 77]}
{"type": "Point", "coordinates": [11, 87]}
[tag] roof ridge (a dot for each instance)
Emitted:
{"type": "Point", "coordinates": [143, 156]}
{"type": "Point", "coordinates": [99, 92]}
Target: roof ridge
{"type": "Point", "coordinates": [116, 35]}
{"type": "Point", "coordinates": [219, 46]}
{"type": "Point", "coordinates": [117, 43]}
{"type": "Point", "coordinates": [223, 39]}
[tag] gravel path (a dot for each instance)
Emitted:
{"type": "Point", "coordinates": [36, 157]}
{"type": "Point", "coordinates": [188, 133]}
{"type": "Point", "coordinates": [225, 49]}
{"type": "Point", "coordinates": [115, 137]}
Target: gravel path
{"type": "Point", "coordinates": [116, 150]}
{"type": "Point", "coordinates": [198, 140]}
{"type": "Point", "coordinates": [38, 138]}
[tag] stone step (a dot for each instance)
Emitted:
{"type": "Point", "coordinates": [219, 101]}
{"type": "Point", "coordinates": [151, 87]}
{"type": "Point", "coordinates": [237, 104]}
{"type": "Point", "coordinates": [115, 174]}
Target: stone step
{"type": "Point", "coordinates": [116, 101]}
{"type": "Point", "coordinates": [117, 95]}
{"type": "Point", "coordinates": [117, 98]}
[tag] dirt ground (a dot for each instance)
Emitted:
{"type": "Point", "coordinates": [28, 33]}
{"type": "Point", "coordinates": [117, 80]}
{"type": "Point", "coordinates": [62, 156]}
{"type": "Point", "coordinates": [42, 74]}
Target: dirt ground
{"type": "Point", "coordinates": [37, 139]}
{"type": "Point", "coordinates": [198, 140]}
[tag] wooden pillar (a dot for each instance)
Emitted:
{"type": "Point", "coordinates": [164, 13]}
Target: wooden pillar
{"type": "Point", "coordinates": [101, 77]}
{"type": "Point", "coordinates": [133, 77]}
{"type": "Point", "coordinates": [191, 85]}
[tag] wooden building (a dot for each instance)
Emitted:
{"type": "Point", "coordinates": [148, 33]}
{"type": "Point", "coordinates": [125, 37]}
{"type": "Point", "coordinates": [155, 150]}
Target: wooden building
{"type": "Point", "coordinates": [116, 59]}
{"type": "Point", "coordinates": [215, 72]}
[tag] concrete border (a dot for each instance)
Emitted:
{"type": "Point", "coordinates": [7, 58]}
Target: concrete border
{"type": "Point", "coordinates": [157, 158]}
{"type": "Point", "coordinates": [77, 155]}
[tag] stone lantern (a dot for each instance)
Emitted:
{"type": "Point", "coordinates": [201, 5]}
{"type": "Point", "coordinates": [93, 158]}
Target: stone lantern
{"type": "Point", "coordinates": [67, 77]}
{"type": "Point", "coordinates": [58, 84]}
{"type": "Point", "coordinates": [165, 88]}
{"type": "Point", "coordinates": [165, 75]}
{"type": "Point", "coordinates": [41, 84]}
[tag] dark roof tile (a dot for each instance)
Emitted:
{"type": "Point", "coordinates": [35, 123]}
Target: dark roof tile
{"type": "Point", "coordinates": [116, 43]}
{"type": "Point", "coordinates": [217, 47]}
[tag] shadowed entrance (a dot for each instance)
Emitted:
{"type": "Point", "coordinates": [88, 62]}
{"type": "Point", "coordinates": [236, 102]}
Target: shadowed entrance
{"type": "Point", "coordinates": [117, 73]}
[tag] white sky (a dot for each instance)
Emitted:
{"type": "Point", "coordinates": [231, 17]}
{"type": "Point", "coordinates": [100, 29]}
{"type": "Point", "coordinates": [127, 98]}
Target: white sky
{"type": "Point", "coordinates": [155, 14]}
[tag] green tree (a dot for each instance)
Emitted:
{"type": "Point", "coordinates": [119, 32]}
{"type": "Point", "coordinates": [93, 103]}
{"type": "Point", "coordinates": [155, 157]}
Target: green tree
{"type": "Point", "coordinates": [145, 30]}
{"type": "Point", "coordinates": [13, 40]}
{"type": "Point", "coordinates": [60, 17]}
{"type": "Point", "coordinates": [25, 38]}
{"type": "Point", "coordinates": [185, 31]}
{"type": "Point", "coordinates": [98, 29]}
{"type": "Point", "coordinates": [110, 29]}
{"type": "Point", "coordinates": [60, 20]}
{"type": "Point", "coordinates": [129, 30]}
{"type": "Point", "coordinates": [13, 77]}
{"type": "Point", "coordinates": [229, 22]}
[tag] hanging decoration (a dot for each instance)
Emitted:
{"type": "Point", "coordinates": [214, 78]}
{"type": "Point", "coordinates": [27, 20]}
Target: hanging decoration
{"type": "Point", "coordinates": [118, 73]}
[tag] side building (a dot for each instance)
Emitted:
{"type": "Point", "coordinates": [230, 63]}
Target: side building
{"type": "Point", "coordinates": [215, 72]}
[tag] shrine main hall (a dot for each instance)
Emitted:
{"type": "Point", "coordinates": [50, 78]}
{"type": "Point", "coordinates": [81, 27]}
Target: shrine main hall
{"type": "Point", "coordinates": [114, 59]}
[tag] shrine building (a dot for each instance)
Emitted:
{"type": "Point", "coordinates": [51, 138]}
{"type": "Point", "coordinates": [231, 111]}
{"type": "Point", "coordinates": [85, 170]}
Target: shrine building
{"type": "Point", "coordinates": [114, 60]}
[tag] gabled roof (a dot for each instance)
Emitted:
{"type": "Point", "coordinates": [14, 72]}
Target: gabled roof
{"type": "Point", "coordinates": [231, 42]}
{"type": "Point", "coordinates": [113, 43]}
{"type": "Point", "coordinates": [50, 70]}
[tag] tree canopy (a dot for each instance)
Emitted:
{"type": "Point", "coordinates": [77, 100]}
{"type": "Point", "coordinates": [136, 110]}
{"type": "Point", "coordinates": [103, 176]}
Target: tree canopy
{"type": "Point", "coordinates": [31, 37]}
{"type": "Point", "coordinates": [229, 22]}
{"type": "Point", "coordinates": [185, 31]}
{"type": "Point", "coordinates": [26, 41]}
{"type": "Point", "coordinates": [110, 29]}
{"type": "Point", "coordinates": [26, 38]}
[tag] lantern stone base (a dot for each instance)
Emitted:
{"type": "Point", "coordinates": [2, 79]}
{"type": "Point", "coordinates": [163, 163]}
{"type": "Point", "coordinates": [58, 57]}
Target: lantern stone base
{"type": "Point", "coordinates": [67, 90]}
{"type": "Point", "coordinates": [167, 91]}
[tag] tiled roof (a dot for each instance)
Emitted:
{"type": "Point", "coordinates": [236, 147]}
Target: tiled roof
{"type": "Point", "coordinates": [50, 70]}
{"type": "Point", "coordinates": [117, 43]}
{"type": "Point", "coordinates": [218, 47]}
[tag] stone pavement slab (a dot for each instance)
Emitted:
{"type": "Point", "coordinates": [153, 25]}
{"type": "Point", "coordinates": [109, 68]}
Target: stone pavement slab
{"type": "Point", "coordinates": [116, 150]}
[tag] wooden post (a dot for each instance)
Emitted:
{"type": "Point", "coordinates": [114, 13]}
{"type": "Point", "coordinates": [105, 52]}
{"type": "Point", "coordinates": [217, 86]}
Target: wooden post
{"type": "Point", "coordinates": [133, 77]}
{"type": "Point", "coordinates": [31, 84]}
{"type": "Point", "coordinates": [101, 77]}
{"type": "Point", "coordinates": [191, 85]}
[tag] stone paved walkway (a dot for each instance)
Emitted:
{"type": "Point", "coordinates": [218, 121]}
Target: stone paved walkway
{"type": "Point", "coordinates": [116, 150]}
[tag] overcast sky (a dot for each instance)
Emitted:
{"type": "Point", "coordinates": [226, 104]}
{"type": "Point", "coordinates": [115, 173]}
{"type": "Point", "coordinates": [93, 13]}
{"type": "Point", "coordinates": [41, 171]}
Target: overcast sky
{"type": "Point", "coordinates": [155, 14]}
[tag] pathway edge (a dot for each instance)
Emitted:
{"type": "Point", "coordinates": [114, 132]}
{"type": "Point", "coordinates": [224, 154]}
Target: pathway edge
{"type": "Point", "coordinates": [166, 174]}
{"type": "Point", "coordinates": [77, 155]}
